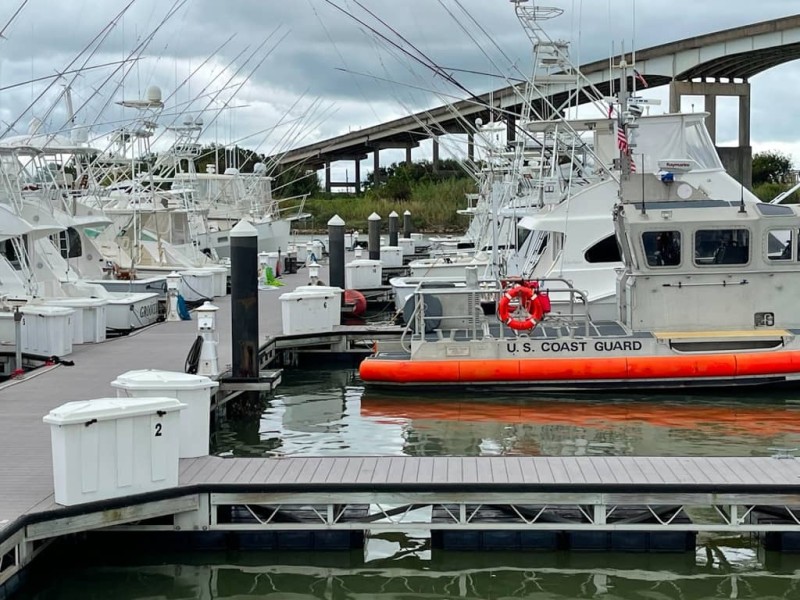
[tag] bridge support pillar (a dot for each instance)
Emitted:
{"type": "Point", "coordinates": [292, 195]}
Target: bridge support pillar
{"type": "Point", "coordinates": [328, 178]}
{"type": "Point", "coordinates": [711, 119]}
{"type": "Point", "coordinates": [737, 161]}
{"type": "Point", "coordinates": [435, 154]}
{"type": "Point", "coordinates": [358, 176]}
{"type": "Point", "coordinates": [376, 166]}
{"type": "Point", "coordinates": [408, 156]}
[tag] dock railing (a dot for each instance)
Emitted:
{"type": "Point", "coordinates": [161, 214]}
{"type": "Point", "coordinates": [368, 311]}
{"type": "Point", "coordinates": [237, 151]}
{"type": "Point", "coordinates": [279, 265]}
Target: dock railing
{"type": "Point", "coordinates": [470, 313]}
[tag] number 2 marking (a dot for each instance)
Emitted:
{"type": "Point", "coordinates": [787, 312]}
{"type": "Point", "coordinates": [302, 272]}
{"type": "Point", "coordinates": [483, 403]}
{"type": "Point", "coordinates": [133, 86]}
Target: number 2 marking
{"type": "Point", "coordinates": [158, 430]}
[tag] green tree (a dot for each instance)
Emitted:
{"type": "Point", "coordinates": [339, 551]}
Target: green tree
{"type": "Point", "coordinates": [296, 182]}
{"type": "Point", "coordinates": [771, 166]}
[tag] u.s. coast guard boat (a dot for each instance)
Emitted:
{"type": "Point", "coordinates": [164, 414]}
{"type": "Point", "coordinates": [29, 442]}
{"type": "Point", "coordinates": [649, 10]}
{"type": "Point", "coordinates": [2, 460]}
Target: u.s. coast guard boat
{"type": "Point", "coordinates": [707, 298]}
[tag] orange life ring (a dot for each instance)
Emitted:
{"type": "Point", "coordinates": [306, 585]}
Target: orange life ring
{"type": "Point", "coordinates": [528, 300]}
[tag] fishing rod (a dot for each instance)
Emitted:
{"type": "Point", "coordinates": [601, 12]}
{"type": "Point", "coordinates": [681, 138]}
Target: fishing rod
{"type": "Point", "coordinates": [102, 34]}
{"type": "Point", "coordinates": [11, 20]}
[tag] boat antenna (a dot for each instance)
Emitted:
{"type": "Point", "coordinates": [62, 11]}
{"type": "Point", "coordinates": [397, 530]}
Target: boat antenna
{"type": "Point", "coordinates": [741, 199]}
{"type": "Point", "coordinates": [644, 207]}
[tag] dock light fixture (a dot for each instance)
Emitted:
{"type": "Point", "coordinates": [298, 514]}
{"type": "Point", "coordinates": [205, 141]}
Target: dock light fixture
{"type": "Point", "coordinates": [313, 273]}
{"type": "Point", "coordinates": [207, 328]}
{"type": "Point", "coordinates": [173, 282]}
{"type": "Point", "coordinates": [666, 214]}
{"type": "Point", "coordinates": [16, 303]}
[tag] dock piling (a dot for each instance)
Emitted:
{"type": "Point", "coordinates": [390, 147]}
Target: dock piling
{"type": "Point", "coordinates": [407, 224]}
{"type": "Point", "coordinates": [336, 246]}
{"type": "Point", "coordinates": [394, 225]}
{"type": "Point", "coordinates": [244, 300]}
{"type": "Point", "coordinates": [374, 236]}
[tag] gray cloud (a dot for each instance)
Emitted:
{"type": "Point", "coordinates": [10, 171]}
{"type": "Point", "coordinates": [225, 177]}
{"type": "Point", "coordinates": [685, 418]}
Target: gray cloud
{"type": "Point", "coordinates": [322, 41]}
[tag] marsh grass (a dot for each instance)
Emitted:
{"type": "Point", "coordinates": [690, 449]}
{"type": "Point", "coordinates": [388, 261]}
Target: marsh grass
{"type": "Point", "coordinates": [433, 207]}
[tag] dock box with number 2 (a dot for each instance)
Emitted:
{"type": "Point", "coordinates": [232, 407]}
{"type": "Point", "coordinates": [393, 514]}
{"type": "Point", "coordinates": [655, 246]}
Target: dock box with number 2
{"type": "Point", "coordinates": [112, 447]}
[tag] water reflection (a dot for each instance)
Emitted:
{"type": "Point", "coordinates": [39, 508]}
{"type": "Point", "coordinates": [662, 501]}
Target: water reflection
{"type": "Point", "coordinates": [345, 576]}
{"type": "Point", "coordinates": [330, 413]}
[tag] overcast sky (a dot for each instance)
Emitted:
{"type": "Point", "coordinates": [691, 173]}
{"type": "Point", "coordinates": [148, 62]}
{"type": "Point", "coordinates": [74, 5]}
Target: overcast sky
{"type": "Point", "coordinates": [323, 73]}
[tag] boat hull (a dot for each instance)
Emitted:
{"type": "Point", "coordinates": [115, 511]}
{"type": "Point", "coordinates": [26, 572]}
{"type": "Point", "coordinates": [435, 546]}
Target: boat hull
{"type": "Point", "coordinates": [591, 373]}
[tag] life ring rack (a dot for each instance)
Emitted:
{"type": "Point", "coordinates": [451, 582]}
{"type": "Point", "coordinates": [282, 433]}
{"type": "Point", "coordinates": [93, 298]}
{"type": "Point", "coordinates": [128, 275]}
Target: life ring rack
{"type": "Point", "coordinates": [530, 303]}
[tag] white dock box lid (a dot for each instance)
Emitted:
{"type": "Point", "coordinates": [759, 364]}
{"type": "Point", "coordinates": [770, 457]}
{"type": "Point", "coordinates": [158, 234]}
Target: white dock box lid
{"type": "Point", "coordinates": [114, 447]}
{"type": "Point", "coordinates": [193, 390]}
{"type": "Point", "coordinates": [106, 409]}
{"type": "Point", "coordinates": [153, 379]}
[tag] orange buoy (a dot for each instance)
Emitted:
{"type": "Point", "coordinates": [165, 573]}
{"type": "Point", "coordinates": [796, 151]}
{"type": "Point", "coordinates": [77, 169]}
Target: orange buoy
{"type": "Point", "coordinates": [357, 300]}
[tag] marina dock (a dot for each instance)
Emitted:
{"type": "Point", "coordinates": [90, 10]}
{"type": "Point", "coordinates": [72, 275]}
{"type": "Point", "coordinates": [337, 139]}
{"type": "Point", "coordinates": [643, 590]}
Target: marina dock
{"type": "Point", "coordinates": [462, 497]}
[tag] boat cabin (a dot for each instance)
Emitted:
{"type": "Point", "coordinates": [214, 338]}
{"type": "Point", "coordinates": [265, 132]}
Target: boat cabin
{"type": "Point", "coordinates": [695, 262]}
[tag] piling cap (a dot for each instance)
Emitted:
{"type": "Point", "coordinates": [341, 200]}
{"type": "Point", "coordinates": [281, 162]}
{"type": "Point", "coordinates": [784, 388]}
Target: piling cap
{"type": "Point", "coordinates": [408, 212]}
{"type": "Point", "coordinates": [374, 217]}
{"type": "Point", "coordinates": [243, 229]}
{"type": "Point", "coordinates": [393, 215]}
{"type": "Point", "coordinates": [336, 221]}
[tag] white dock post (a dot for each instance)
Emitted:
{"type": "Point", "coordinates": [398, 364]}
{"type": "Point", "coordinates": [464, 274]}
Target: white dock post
{"type": "Point", "coordinates": [173, 282]}
{"type": "Point", "coordinates": [207, 327]}
{"type": "Point", "coordinates": [313, 273]}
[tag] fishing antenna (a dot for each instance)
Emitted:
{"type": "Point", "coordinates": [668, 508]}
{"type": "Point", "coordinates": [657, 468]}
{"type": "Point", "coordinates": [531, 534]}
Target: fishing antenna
{"type": "Point", "coordinates": [644, 207]}
{"type": "Point", "coordinates": [741, 199]}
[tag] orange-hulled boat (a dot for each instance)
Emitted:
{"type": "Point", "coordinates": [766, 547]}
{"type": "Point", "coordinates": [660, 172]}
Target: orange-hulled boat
{"type": "Point", "coordinates": [707, 299]}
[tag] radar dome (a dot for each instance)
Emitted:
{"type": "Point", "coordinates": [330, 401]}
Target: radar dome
{"type": "Point", "coordinates": [199, 121]}
{"type": "Point", "coordinates": [259, 168]}
{"type": "Point", "coordinates": [154, 94]}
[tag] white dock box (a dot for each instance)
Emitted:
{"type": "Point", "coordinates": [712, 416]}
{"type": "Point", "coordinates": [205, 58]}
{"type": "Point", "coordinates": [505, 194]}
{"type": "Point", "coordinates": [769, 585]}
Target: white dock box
{"type": "Point", "coordinates": [302, 254]}
{"type": "Point", "coordinates": [197, 284]}
{"type": "Point", "coordinates": [362, 274]}
{"type": "Point", "coordinates": [47, 330]}
{"type": "Point", "coordinates": [192, 390]}
{"type": "Point", "coordinates": [407, 244]}
{"type": "Point", "coordinates": [391, 256]}
{"type": "Point", "coordinates": [220, 277]}
{"type": "Point", "coordinates": [89, 321]}
{"type": "Point", "coordinates": [112, 447]}
{"type": "Point", "coordinates": [311, 309]}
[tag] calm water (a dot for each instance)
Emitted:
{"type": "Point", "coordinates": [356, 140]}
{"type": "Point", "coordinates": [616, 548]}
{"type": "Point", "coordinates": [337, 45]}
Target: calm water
{"type": "Point", "coordinates": [329, 413]}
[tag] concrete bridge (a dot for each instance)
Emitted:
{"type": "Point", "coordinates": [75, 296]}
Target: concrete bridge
{"type": "Point", "coordinates": [711, 65]}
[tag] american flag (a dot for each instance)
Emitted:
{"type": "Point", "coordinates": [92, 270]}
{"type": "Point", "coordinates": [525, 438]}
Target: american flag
{"type": "Point", "coordinates": [640, 78]}
{"type": "Point", "coordinates": [622, 139]}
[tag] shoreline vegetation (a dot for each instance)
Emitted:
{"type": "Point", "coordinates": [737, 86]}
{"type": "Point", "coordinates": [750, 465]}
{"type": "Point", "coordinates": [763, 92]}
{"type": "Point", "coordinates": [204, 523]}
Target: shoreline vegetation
{"type": "Point", "coordinates": [432, 196]}
{"type": "Point", "coordinates": [432, 205]}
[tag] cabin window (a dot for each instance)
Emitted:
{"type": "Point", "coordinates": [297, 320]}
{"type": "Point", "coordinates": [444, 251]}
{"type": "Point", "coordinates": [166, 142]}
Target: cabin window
{"type": "Point", "coordinates": [662, 248]}
{"type": "Point", "coordinates": [722, 247]}
{"type": "Point", "coordinates": [69, 243]}
{"type": "Point", "coordinates": [604, 251]}
{"type": "Point", "coordinates": [779, 244]}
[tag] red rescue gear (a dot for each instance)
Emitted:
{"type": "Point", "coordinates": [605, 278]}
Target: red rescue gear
{"type": "Point", "coordinates": [529, 301]}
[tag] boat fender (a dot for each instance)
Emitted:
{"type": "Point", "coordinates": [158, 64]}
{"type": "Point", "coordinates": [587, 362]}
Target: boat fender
{"type": "Point", "coordinates": [529, 302]}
